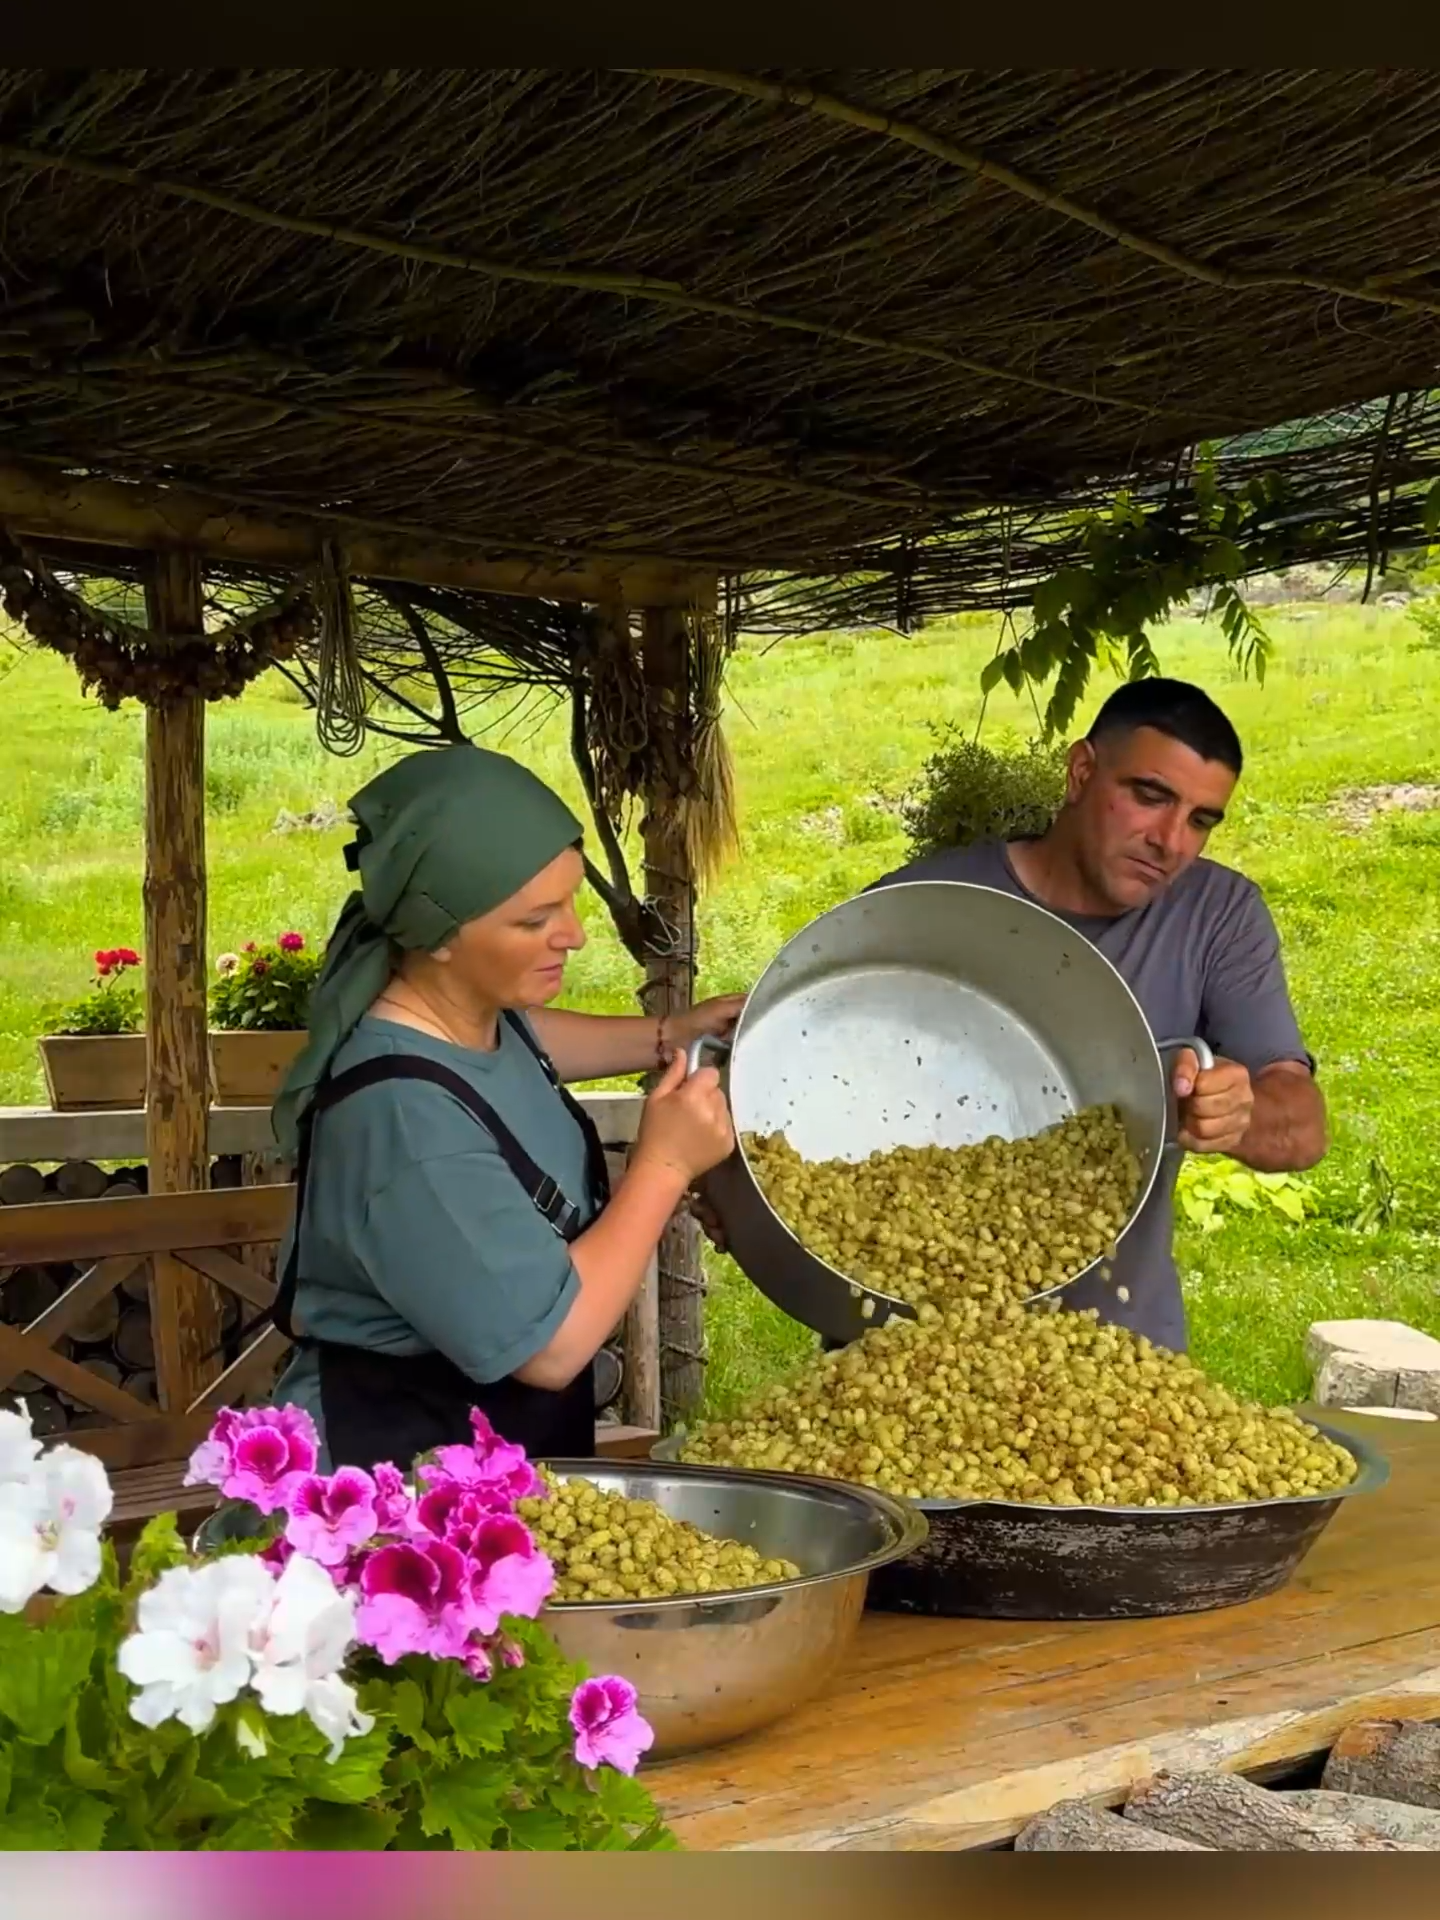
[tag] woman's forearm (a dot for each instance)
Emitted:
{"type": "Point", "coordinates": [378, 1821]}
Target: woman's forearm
{"type": "Point", "coordinates": [610, 1259]}
{"type": "Point", "coordinates": [595, 1046]}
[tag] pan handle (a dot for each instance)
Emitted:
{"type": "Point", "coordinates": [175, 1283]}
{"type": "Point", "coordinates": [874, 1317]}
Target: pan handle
{"type": "Point", "coordinates": [1197, 1046]}
{"type": "Point", "coordinates": [707, 1043]}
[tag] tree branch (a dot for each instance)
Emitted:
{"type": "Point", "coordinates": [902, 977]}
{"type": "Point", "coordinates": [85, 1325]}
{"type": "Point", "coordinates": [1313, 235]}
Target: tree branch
{"type": "Point", "coordinates": [449, 722]}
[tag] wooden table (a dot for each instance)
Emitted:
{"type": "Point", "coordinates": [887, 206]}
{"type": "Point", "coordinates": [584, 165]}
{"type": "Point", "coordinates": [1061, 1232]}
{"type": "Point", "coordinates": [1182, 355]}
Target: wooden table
{"type": "Point", "coordinates": [948, 1734]}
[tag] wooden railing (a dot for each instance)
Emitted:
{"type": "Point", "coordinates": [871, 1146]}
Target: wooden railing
{"type": "Point", "coordinates": [224, 1239]}
{"type": "Point", "coordinates": [198, 1230]}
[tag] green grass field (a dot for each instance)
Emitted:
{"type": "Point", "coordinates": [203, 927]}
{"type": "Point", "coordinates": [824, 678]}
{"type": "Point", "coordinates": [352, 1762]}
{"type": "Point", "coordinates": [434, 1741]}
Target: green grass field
{"type": "Point", "coordinates": [827, 734]}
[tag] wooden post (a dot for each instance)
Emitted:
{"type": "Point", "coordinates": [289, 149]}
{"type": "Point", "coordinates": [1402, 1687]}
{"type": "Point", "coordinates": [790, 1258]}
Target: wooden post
{"type": "Point", "coordinates": [185, 1309]}
{"type": "Point", "coordinates": [643, 1399]}
{"type": "Point", "coordinates": [669, 988]}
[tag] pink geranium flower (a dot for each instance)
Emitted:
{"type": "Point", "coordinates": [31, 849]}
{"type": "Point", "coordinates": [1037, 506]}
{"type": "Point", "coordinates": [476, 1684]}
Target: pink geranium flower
{"type": "Point", "coordinates": [275, 1554]}
{"type": "Point", "coordinates": [259, 1456]}
{"type": "Point", "coordinates": [394, 1503]}
{"type": "Point", "coordinates": [609, 1730]}
{"type": "Point", "coordinates": [476, 1660]}
{"type": "Point", "coordinates": [291, 942]}
{"type": "Point", "coordinates": [490, 1465]}
{"type": "Point", "coordinates": [507, 1572]}
{"type": "Point", "coordinates": [415, 1598]}
{"type": "Point", "coordinates": [451, 1511]}
{"type": "Point", "coordinates": [331, 1518]}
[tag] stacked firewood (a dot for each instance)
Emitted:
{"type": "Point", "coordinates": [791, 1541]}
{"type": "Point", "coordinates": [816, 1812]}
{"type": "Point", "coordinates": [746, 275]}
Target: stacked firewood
{"type": "Point", "coordinates": [1379, 1793]}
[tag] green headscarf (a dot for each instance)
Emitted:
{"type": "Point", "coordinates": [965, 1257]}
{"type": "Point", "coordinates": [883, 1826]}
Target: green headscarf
{"type": "Point", "coordinates": [443, 837]}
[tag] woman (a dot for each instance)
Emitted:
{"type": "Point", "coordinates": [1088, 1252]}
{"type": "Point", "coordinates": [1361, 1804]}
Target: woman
{"type": "Point", "coordinates": [454, 1242]}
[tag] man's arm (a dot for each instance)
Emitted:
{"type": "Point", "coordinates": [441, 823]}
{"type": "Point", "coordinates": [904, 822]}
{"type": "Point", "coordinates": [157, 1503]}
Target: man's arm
{"type": "Point", "coordinates": [1287, 1131]}
{"type": "Point", "coordinates": [1259, 1103]}
{"type": "Point", "coordinates": [1273, 1120]}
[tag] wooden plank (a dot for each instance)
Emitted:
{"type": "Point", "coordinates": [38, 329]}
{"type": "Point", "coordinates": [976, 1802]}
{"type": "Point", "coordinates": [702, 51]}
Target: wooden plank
{"type": "Point", "coordinates": [19, 1353]}
{"type": "Point", "coordinates": [160, 1439]}
{"type": "Point", "coordinates": [42, 1136]}
{"type": "Point", "coordinates": [239, 1376]}
{"type": "Point", "coordinates": [226, 1271]}
{"type": "Point", "coordinates": [142, 1492]}
{"type": "Point", "coordinates": [38, 501]}
{"type": "Point", "coordinates": [948, 1734]}
{"type": "Point", "coordinates": [79, 1298]}
{"type": "Point", "coordinates": [616, 1442]}
{"type": "Point", "coordinates": [148, 1223]}
{"type": "Point", "coordinates": [641, 1393]}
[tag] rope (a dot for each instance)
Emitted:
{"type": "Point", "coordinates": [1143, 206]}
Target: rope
{"type": "Point", "coordinates": [340, 703]}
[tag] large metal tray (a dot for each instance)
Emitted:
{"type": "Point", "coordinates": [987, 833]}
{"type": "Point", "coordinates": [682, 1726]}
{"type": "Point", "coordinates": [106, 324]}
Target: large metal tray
{"type": "Point", "coordinates": [1004, 1560]}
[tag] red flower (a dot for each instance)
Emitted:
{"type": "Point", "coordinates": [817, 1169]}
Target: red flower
{"type": "Point", "coordinates": [105, 961]}
{"type": "Point", "coordinates": [291, 942]}
{"type": "Point", "coordinates": [250, 947]}
{"type": "Point", "coordinates": [126, 957]}
{"type": "Point", "coordinates": [259, 964]}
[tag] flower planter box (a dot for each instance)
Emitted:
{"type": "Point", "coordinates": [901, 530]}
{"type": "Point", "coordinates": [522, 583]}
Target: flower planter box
{"type": "Point", "coordinates": [105, 1072]}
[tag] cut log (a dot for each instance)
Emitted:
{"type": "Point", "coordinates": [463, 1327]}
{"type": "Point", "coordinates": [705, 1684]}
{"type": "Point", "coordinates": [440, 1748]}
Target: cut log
{"type": "Point", "coordinates": [1390, 1759]}
{"type": "Point", "coordinates": [99, 1320]}
{"type": "Point", "coordinates": [126, 1183]}
{"type": "Point", "coordinates": [1230, 1815]}
{"type": "Point", "coordinates": [1391, 1819]}
{"type": "Point", "coordinates": [134, 1344]}
{"type": "Point", "coordinates": [142, 1385]}
{"type": "Point", "coordinates": [1074, 1826]}
{"type": "Point", "coordinates": [21, 1186]}
{"type": "Point", "coordinates": [26, 1295]}
{"type": "Point", "coordinates": [80, 1180]}
{"type": "Point", "coordinates": [136, 1286]}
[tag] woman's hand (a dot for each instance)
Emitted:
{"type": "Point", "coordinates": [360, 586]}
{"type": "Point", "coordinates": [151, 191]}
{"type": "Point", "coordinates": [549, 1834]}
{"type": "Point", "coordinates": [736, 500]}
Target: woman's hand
{"type": "Point", "coordinates": [686, 1126]}
{"type": "Point", "coordinates": [680, 1031]}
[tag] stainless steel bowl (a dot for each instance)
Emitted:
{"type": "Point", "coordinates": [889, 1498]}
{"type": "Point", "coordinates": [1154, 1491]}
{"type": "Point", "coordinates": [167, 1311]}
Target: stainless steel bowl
{"type": "Point", "coordinates": [709, 1668]}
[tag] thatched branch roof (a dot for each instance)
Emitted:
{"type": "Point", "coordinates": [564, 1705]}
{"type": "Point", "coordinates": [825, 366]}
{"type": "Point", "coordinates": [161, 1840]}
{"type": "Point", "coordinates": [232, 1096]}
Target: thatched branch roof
{"type": "Point", "coordinates": [877, 324]}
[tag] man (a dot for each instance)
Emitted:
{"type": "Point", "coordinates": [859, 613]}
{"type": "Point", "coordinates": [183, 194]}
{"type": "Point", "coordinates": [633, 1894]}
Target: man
{"type": "Point", "coordinates": [1193, 940]}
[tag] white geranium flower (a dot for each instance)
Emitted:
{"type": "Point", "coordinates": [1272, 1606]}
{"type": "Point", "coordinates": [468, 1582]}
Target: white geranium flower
{"type": "Point", "coordinates": [333, 1707]}
{"type": "Point", "coordinates": [195, 1627]}
{"type": "Point", "coordinates": [301, 1648]}
{"type": "Point", "coordinates": [50, 1527]}
{"type": "Point", "coordinates": [19, 1449]}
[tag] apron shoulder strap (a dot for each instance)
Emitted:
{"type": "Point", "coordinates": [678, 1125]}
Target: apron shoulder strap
{"type": "Point", "coordinates": [543, 1190]}
{"type": "Point", "coordinates": [597, 1172]}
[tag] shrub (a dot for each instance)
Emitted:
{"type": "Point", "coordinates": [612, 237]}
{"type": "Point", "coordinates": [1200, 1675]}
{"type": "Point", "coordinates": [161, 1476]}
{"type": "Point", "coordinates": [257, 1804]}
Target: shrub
{"type": "Point", "coordinates": [113, 1004]}
{"type": "Point", "coordinates": [1210, 1187]}
{"type": "Point", "coordinates": [265, 989]}
{"type": "Point", "coordinates": [1426, 616]}
{"type": "Point", "coordinates": [967, 793]}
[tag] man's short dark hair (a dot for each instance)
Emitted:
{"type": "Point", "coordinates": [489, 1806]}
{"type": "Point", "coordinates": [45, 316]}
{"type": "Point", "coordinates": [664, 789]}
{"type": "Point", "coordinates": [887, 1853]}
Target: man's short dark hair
{"type": "Point", "coordinates": [1176, 709]}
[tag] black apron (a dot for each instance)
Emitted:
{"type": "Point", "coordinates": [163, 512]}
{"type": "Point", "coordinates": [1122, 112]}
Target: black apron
{"type": "Point", "coordinates": [380, 1406]}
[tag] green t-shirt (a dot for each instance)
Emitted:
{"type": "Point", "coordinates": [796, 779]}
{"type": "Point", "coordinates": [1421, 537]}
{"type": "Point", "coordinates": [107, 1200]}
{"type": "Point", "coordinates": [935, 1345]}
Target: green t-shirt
{"type": "Point", "coordinates": [417, 1235]}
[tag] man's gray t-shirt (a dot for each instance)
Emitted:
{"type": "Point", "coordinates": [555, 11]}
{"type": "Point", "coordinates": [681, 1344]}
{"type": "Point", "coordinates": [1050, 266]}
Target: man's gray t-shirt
{"type": "Point", "coordinates": [1202, 957]}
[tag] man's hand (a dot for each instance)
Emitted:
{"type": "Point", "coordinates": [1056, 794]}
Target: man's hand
{"type": "Point", "coordinates": [1216, 1104]}
{"type": "Point", "coordinates": [708, 1221]}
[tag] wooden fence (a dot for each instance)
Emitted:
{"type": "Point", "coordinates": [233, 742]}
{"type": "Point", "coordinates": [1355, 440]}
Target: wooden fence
{"type": "Point", "coordinates": [89, 1265]}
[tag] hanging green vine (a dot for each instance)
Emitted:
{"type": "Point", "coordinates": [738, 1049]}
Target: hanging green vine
{"type": "Point", "coordinates": [1140, 563]}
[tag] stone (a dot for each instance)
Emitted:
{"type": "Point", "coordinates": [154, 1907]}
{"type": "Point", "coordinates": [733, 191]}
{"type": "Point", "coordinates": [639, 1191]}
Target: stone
{"type": "Point", "coordinates": [1373, 1363]}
